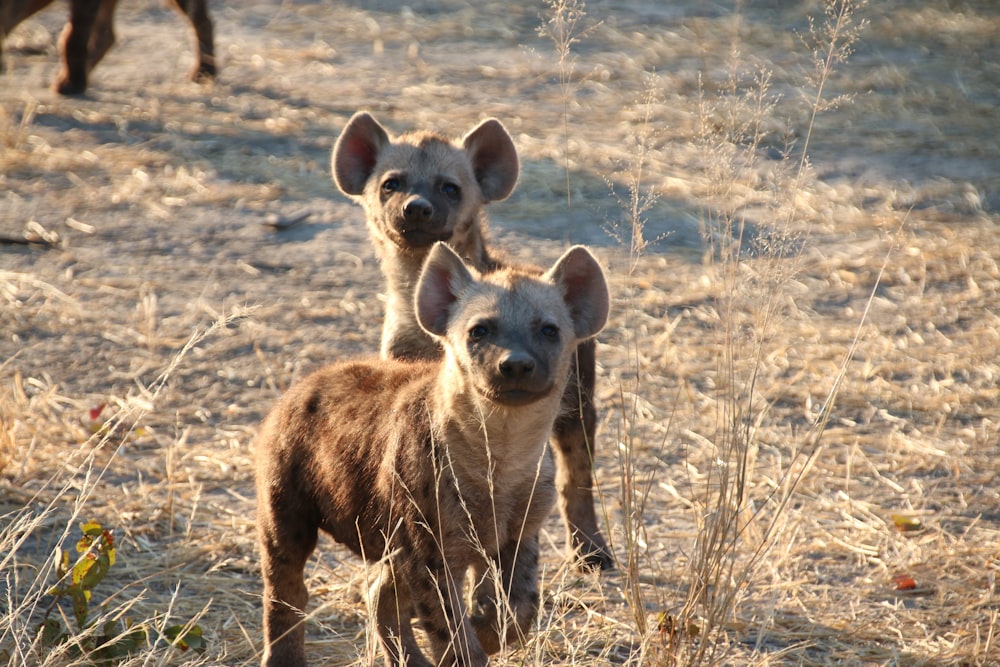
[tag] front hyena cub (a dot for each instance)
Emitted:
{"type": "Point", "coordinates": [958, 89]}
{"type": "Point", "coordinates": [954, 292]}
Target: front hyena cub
{"type": "Point", "coordinates": [420, 188]}
{"type": "Point", "coordinates": [429, 468]}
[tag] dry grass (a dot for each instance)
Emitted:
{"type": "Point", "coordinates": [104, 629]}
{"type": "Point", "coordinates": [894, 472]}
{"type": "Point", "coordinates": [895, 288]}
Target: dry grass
{"type": "Point", "coordinates": [873, 275]}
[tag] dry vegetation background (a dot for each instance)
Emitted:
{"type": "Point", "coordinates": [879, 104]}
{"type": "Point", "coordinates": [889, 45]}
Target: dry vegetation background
{"type": "Point", "coordinates": [157, 288]}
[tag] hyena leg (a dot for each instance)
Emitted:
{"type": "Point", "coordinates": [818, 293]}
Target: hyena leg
{"type": "Point", "coordinates": [393, 615]}
{"type": "Point", "coordinates": [573, 446]}
{"type": "Point", "coordinates": [283, 559]}
{"type": "Point", "coordinates": [510, 616]}
{"type": "Point", "coordinates": [72, 80]}
{"type": "Point", "coordinates": [438, 600]}
{"type": "Point", "coordinates": [102, 36]}
{"type": "Point", "coordinates": [197, 13]}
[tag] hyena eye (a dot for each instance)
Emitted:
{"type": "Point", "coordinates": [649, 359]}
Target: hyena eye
{"type": "Point", "coordinates": [390, 185]}
{"type": "Point", "coordinates": [478, 331]}
{"type": "Point", "coordinates": [550, 331]}
{"type": "Point", "coordinates": [451, 190]}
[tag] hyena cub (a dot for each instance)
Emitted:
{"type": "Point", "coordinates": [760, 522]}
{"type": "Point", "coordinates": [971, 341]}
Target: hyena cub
{"type": "Point", "coordinates": [429, 468]}
{"type": "Point", "coordinates": [420, 188]}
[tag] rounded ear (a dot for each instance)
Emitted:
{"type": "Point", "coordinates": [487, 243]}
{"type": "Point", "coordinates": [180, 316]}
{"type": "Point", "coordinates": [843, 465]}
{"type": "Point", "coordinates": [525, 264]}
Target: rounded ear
{"type": "Point", "coordinates": [356, 152]}
{"type": "Point", "coordinates": [443, 278]}
{"type": "Point", "coordinates": [494, 159]}
{"type": "Point", "coordinates": [585, 290]}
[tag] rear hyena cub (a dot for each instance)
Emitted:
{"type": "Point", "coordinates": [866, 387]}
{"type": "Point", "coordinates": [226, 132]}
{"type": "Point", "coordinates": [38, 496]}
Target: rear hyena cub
{"type": "Point", "coordinates": [429, 468]}
{"type": "Point", "coordinates": [420, 188]}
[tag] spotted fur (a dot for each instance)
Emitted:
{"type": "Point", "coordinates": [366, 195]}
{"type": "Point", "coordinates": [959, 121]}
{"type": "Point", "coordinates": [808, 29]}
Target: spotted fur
{"type": "Point", "coordinates": [420, 188]}
{"type": "Point", "coordinates": [430, 468]}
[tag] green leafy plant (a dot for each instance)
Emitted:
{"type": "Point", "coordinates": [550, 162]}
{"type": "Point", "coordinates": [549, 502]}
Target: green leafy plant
{"type": "Point", "coordinates": [103, 641]}
{"type": "Point", "coordinates": [97, 549]}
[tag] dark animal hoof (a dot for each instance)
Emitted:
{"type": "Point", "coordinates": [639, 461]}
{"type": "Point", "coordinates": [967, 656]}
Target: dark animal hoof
{"type": "Point", "coordinates": [70, 88]}
{"type": "Point", "coordinates": [597, 561]}
{"type": "Point", "coordinates": [203, 74]}
{"type": "Point", "coordinates": [592, 554]}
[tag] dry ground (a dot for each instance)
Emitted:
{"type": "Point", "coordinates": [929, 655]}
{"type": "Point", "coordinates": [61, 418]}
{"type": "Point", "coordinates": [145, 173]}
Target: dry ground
{"type": "Point", "coordinates": [157, 289]}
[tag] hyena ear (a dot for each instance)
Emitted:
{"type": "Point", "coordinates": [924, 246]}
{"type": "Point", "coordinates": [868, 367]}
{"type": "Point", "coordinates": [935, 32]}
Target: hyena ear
{"type": "Point", "coordinates": [585, 291]}
{"type": "Point", "coordinates": [494, 159]}
{"type": "Point", "coordinates": [356, 152]}
{"type": "Point", "coordinates": [443, 278]}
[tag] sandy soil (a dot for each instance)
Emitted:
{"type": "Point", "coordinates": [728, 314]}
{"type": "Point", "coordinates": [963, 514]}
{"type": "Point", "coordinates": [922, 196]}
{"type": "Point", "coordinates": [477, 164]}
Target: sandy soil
{"type": "Point", "coordinates": [151, 200]}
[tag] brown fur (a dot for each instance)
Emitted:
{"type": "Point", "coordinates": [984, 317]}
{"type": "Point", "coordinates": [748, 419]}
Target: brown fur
{"type": "Point", "coordinates": [429, 468]}
{"type": "Point", "coordinates": [90, 33]}
{"type": "Point", "coordinates": [419, 188]}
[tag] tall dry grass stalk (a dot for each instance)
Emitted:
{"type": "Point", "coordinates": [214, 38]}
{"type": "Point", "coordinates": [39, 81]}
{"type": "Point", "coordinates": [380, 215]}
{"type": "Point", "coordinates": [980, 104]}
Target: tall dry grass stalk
{"type": "Point", "coordinates": [636, 478]}
{"type": "Point", "coordinates": [566, 25]}
{"type": "Point", "coordinates": [750, 270]}
{"type": "Point", "coordinates": [736, 529]}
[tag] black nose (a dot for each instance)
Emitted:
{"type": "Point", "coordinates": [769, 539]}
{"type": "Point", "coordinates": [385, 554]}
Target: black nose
{"type": "Point", "coordinates": [517, 367]}
{"type": "Point", "coordinates": [417, 208]}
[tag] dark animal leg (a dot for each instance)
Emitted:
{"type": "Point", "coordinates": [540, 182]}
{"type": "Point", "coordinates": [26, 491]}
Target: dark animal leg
{"type": "Point", "coordinates": [573, 446]}
{"type": "Point", "coordinates": [197, 13]}
{"type": "Point", "coordinates": [73, 43]}
{"type": "Point", "coordinates": [102, 36]}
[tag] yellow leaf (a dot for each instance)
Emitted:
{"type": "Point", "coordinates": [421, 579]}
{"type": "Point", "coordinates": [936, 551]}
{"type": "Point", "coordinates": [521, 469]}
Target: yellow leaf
{"type": "Point", "coordinates": [91, 528]}
{"type": "Point", "coordinates": [906, 524]}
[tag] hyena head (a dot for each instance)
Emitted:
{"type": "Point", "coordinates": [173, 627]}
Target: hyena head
{"type": "Point", "coordinates": [509, 335]}
{"type": "Point", "coordinates": [420, 188]}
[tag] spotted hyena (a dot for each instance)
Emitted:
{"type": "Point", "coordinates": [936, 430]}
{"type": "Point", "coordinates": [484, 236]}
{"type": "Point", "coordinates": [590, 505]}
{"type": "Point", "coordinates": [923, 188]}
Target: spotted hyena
{"type": "Point", "coordinates": [90, 33]}
{"type": "Point", "coordinates": [430, 468]}
{"type": "Point", "coordinates": [420, 188]}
